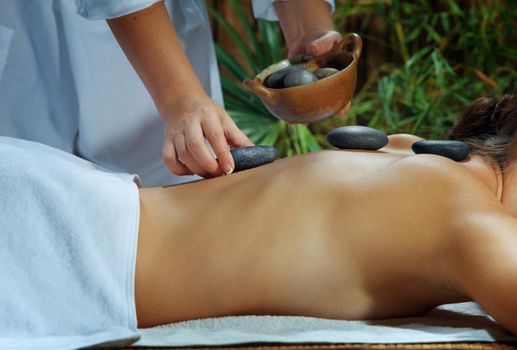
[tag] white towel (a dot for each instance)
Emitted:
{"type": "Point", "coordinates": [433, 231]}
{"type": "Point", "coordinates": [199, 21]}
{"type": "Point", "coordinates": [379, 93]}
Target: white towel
{"type": "Point", "coordinates": [448, 323]}
{"type": "Point", "coordinates": [68, 233]}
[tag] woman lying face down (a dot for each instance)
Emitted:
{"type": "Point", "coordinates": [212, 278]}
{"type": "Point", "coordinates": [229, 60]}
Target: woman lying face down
{"type": "Point", "coordinates": [341, 234]}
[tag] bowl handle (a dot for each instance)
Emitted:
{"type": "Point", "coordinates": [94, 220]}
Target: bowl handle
{"type": "Point", "coordinates": [356, 40]}
{"type": "Point", "coordinates": [258, 89]}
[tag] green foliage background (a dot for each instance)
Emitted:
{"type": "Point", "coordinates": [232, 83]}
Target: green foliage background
{"type": "Point", "coordinates": [441, 57]}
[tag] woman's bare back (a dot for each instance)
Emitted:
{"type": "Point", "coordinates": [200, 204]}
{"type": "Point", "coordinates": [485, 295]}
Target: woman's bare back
{"type": "Point", "coordinates": [337, 234]}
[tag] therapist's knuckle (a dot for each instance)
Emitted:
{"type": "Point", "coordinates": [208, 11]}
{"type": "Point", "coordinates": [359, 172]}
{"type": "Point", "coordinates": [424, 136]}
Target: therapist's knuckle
{"type": "Point", "coordinates": [229, 124]}
{"type": "Point", "coordinates": [225, 119]}
{"type": "Point", "coordinates": [195, 143]}
{"type": "Point", "coordinates": [214, 134]}
{"type": "Point", "coordinates": [191, 119]}
{"type": "Point", "coordinates": [180, 148]}
{"type": "Point", "coordinates": [205, 109]}
{"type": "Point", "coordinates": [174, 133]}
{"type": "Point", "coordinates": [182, 153]}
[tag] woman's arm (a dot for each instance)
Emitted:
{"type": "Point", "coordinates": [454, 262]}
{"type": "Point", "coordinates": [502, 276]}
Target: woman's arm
{"type": "Point", "coordinates": [150, 42]}
{"type": "Point", "coordinates": [485, 265]}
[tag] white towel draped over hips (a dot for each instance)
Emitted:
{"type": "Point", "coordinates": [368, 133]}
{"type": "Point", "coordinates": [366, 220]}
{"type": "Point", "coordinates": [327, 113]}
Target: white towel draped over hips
{"type": "Point", "coordinates": [68, 234]}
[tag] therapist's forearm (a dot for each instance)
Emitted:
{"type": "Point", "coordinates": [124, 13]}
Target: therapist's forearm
{"type": "Point", "coordinates": [190, 116]}
{"type": "Point", "coordinates": [150, 42]}
{"type": "Point", "coordinates": [298, 17]}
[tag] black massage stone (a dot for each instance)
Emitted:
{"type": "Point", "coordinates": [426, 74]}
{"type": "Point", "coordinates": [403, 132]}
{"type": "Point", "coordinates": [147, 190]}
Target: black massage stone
{"type": "Point", "coordinates": [357, 137]}
{"type": "Point", "coordinates": [252, 157]}
{"type": "Point", "coordinates": [297, 77]}
{"type": "Point", "coordinates": [276, 79]}
{"type": "Point", "coordinates": [322, 73]}
{"type": "Point", "coordinates": [455, 150]}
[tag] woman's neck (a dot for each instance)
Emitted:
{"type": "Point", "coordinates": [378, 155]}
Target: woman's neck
{"type": "Point", "coordinates": [489, 173]}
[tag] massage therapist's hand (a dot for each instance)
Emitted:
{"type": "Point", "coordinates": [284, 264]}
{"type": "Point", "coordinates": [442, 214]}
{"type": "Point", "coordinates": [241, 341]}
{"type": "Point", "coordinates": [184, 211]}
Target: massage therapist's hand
{"type": "Point", "coordinates": [150, 42]}
{"type": "Point", "coordinates": [315, 42]}
{"type": "Point", "coordinates": [308, 29]}
{"type": "Point", "coordinates": [187, 124]}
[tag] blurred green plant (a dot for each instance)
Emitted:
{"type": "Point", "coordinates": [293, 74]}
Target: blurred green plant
{"type": "Point", "coordinates": [444, 56]}
{"type": "Point", "coordinates": [440, 57]}
{"type": "Point", "coordinates": [248, 112]}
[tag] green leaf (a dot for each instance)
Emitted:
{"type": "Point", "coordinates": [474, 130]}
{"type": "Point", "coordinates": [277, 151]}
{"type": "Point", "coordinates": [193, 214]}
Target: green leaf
{"type": "Point", "coordinates": [245, 97]}
{"type": "Point", "coordinates": [272, 136]}
{"type": "Point", "coordinates": [236, 39]}
{"type": "Point", "coordinates": [455, 9]}
{"type": "Point", "coordinates": [231, 64]}
{"type": "Point", "coordinates": [432, 33]}
{"type": "Point", "coordinates": [386, 92]}
{"type": "Point", "coordinates": [271, 34]}
{"type": "Point", "coordinates": [248, 29]}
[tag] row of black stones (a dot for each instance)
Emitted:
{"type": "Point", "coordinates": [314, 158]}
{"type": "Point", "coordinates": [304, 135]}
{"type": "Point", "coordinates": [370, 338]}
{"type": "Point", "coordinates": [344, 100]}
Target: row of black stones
{"type": "Point", "coordinates": [351, 137]}
{"type": "Point", "coordinates": [366, 138]}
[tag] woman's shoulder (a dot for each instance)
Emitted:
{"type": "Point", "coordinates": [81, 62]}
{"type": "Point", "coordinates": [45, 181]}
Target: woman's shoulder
{"type": "Point", "coordinates": [401, 143]}
{"type": "Point", "coordinates": [462, 184]}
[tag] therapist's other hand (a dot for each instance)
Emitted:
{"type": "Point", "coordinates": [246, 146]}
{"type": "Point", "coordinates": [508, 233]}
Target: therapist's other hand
{"type": "Point", "coordinates": [315, 42]}
{"type": "Point", "coordinates": [188, 123]}
{"type": "Point", "coordinates": [308, 29]}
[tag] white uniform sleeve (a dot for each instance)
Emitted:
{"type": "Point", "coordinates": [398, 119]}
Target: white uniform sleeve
{"type": "Point", "coordinates": [264, 8]}
{"type": "Point", "coordinates": [106, 9]}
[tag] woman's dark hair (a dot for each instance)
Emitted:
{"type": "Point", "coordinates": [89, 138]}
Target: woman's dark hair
{"type": "Point", "coordinates": [487, 126]}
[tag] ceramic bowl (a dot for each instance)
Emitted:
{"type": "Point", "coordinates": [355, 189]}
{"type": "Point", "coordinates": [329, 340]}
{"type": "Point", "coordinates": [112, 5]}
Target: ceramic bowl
{"type": "Point", "coordinates": [318, 100]}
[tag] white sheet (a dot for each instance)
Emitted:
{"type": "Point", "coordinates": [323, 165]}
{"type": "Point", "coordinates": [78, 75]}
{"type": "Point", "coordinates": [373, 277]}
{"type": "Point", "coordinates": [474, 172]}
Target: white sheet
{"type": "Point", "coordinates": [449, 323]}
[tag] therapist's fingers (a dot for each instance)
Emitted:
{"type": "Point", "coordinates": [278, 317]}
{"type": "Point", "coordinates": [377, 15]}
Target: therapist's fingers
{"type": "Point", "coordinates": [235, 137]}
{"type": "Point", "coordinates": [322, 42]}
{"type": "Point", "coordinates": [195, 141]}
{"type": "Point", "coordinates": [214, 133]}
{"type": "Point", "coordinates": [186, 157]}
{"type": "Point", "coordinates": [170, 158]}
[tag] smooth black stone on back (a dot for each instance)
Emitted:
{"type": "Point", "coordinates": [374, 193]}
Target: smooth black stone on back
{"type": "Point", "coordinates": [357, 137]}
{"type": "Point", "coordinates": [455, 150]}
{"type": "Point", "coordinates": [252, 157]}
